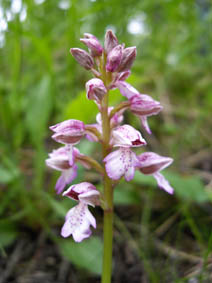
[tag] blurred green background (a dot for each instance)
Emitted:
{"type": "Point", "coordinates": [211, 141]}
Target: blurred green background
{"type": "Point", "coordinates": [41, 84]}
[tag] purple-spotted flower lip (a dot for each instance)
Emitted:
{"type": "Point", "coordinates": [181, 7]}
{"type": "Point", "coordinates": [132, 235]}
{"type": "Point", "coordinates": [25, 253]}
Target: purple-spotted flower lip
{"type": "Point", "coordinates": [84, 192]}
{"type": "Point", "coordinates": [121, 162]}
{"type": "Point", "coordinates": [77, 223]}
{"type": "Point", "coordinates": [127, 136]}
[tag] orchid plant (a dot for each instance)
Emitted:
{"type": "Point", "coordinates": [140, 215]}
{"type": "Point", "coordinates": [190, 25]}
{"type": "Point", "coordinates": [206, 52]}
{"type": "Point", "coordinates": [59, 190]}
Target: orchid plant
{"type": "Point", "coordinates": [111, 67]}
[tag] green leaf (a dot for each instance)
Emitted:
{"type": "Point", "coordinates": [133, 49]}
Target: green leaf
{"type": "Point", "coordinates": [124, 194]}
{"type": "Point", "coordinates": [87, 254]}
{"type": "Point", "coordinates": [81, 108]}
{"type": "Point", "coordinates": [6, 175]}
{"type": "Point", "coordinates": [188, 188]}
{"type": "Point", "coordinates": [144, 179]}
{"type": "Point", "coordinates": [38, 110]}
{"type": "Point", "coordinates": [8, 233]}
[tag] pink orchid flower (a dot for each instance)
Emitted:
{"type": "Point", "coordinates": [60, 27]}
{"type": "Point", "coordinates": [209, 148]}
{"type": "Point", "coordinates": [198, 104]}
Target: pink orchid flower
{"type": "Point", "coordinates": [151, 163]}
{"type": "Point", "coordinates": [79, 219]}
{"type": "Point", "coordinates": [59, 160]}
{"type": "Point", "coordinates": [123, 161]}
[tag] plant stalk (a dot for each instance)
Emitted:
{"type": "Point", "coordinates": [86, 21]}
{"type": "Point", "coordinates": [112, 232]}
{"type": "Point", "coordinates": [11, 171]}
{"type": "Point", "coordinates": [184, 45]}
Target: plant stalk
{"type": "Point", "coordinates": [108, 195]}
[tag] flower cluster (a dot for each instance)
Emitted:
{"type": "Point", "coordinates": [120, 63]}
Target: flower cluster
{"type": "Point", "coordinates": [111, 67]}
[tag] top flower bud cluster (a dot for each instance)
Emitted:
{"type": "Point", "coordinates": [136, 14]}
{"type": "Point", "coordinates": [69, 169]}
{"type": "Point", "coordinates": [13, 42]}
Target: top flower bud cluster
{"type": "Point", "coordinates": [111, 67]}
{"type": "Point", "coordinates": [119, 59]}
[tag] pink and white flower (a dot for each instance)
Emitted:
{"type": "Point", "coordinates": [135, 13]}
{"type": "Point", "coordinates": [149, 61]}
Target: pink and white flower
{"type": "Point", "coordinates": [79, 219]}
{"type": "Point", "coordinates": [144, 106]}
{"type": "Point", "coordinates": [121, 162]}
{"type": "Point", "coordinates": [59, 160]}
{"type": "Point", "coordinates": [77, 223]}
{"type": "Point", "coordinates": [151, 163]}
{"type": "Point", "coordinates": [69, 131]}
{"type": "Point", "coordinates": [141, 105]}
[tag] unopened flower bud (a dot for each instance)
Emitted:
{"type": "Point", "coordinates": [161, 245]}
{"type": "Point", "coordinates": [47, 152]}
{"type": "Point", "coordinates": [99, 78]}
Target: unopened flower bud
{"type": "Point", "coordinates": [83, 58]}
{"type": "Point", "coordinates": [110, 41]}
{"type": "Point", "coordinates": [128, 57]}
{"type": "Point", "coordinates": [114, 58]}
{"type": "Point", "coordinates": [93, 44]}
{"type": "Point", "coordinates": [95, 89]}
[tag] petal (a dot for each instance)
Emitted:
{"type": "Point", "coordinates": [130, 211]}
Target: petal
{"type": "Point", "coordinates": [70, 174]}
{"type": "Point", "coordinates": [95, 89]}
{"type": "Point", "coordinates": [58, 159]}
{"type": "Point", "coordinates": [66, 178]}
{"type": "Point", "coordinates": [68, 126]}
{"type": "Point", "coordinates": [144, 105]}
{"type": "Point", "coordinates": [91, 197]}
{"type": "Point", "coordinates": [120, 163]}
{"type": "Point", "coordinates": [77, 223]}
{"type": "Point", "coordinates": [126, 89]}
{"type": "Point", "coordinates": [60, 185]}
{"type": "Point", "coordinates": [84, 192]}
{"type": "Point", "coordinates": [145, 124]}
{"type": "Point", "coordinates": [151, 162]}
{"type": "Point", "coordinates": [127, 136]}
{"type": "Point", "coordinates": [163, 183]}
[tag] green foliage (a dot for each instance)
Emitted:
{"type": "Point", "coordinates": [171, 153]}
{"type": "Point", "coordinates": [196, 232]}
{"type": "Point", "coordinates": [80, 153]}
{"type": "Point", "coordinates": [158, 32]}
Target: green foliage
{"type": "Point", "coordinates": [188, 188]}
{"type": "Point", "coordinates": [87, 255]}
{"type": "Point", "coordinates": [39, 104]}
{"type": "Point", "coordinates": [8, 233]}
{"type": "Point", "coordinates": [81, 108]}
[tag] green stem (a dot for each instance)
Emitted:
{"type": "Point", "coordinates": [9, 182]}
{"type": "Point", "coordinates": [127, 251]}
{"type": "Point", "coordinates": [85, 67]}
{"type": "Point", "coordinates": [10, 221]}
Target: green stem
{"type": "Point", "coordinates": [108, 199]}
{"type": "Point", "coordinates": [108, 232]}
{"type": "Point", "coordinates": [108, 188]}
